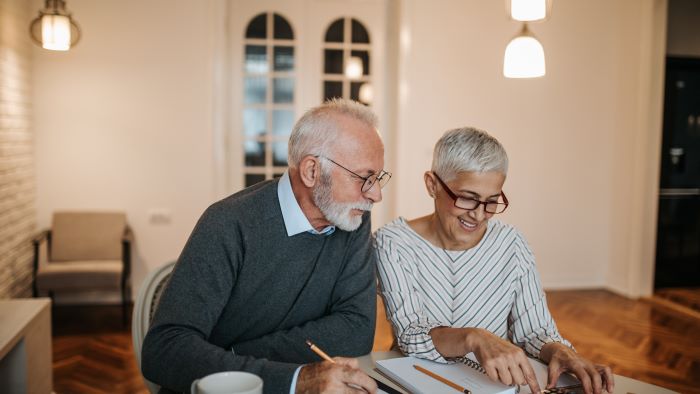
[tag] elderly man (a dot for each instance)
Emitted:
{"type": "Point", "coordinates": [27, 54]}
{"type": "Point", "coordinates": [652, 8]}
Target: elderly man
{"type": "Point", "coordinates": [279, 263]}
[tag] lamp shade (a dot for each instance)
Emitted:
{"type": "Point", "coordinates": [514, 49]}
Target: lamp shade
{"type": "Point", "coordinates": [528, 10]}
{"type": "Point", "coordinates": [54, 28]}
{"type": "Point", "coordinates": [55, 32]}
{"type": "Point", "coordinates": [353, 67]}
{"type": "Point", "coordinates": [524, 57]}
{"type": "Point", "coordinates": [366, 93]}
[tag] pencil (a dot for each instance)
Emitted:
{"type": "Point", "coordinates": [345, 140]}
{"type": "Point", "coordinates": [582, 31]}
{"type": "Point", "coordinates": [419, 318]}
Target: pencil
{"type": "Point", "coordinates": [443, 380]}
{"type": "Point", "coordinates": [320, 352]}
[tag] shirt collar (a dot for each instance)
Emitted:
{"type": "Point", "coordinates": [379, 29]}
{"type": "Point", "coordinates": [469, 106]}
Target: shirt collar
{"type": "Point", "coordinates": [294, 219]}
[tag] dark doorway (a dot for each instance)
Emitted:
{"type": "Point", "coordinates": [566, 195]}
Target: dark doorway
{"type": "Point", "coordinates": [678, 236]}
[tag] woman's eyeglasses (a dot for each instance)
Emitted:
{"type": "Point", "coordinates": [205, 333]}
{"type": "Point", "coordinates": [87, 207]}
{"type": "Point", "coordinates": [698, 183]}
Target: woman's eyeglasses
{"type": "Point", "coordinates": [471, 204]}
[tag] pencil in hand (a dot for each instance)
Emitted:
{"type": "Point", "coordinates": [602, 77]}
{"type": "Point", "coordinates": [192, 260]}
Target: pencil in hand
{"type": "Point", "coordinates": [318, 351]}
{"type": "Point", "coordinates": [326, 357]}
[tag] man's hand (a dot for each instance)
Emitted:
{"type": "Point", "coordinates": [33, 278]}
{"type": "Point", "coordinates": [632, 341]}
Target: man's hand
{"type": "Point", "coordinates": [593, 377]}
{"type": "Point", "coordinates": [342, 377]}
{"type": "Point", "coordinates": [502, 360]}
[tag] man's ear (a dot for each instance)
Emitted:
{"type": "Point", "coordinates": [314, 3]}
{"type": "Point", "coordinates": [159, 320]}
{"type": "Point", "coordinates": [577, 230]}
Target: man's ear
{"type": "Point", "coordinates": [430, 183]}
{"type": "Point", "coordinates": [309, 170]}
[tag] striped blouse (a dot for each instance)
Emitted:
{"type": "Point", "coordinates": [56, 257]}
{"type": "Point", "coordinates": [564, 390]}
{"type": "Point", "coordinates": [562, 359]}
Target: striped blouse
{"type": "Point", "coordinates": [493, 285]}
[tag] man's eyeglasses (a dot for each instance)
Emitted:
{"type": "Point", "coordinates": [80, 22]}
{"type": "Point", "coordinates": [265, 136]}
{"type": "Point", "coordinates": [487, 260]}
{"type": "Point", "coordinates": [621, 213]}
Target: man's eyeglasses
{"type": "Point", "coordinates": [382, 177]}
{"type": "Point", "coordinates": [471, 204]}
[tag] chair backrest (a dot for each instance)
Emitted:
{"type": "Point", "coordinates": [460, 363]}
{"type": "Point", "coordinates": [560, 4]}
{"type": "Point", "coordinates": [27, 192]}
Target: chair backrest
{"type": "Point", "coordinates": [145, 306]}
{"type": "Point", "coordinates": [87, 236]}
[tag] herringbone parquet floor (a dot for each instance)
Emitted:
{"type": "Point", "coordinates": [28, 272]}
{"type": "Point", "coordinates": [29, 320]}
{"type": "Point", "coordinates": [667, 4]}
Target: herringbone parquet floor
{"type": "Point", "coordinates": [639, 339]}
{"type": "Point", "coordinates": [92, 352]}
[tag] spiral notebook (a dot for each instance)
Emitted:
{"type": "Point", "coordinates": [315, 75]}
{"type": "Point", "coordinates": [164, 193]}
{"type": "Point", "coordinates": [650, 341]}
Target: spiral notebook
{"type": "Point", "coordinates": [467, 373]}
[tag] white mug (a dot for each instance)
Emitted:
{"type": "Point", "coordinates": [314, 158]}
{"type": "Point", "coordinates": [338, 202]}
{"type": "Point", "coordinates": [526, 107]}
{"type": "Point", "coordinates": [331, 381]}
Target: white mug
{"type": "Point", "coordinates": [234, 382]}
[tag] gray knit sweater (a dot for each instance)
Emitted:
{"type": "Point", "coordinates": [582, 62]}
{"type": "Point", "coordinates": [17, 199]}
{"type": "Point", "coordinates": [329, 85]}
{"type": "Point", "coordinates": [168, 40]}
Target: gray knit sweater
{"type": "Point", "coordinates": [244, 296]}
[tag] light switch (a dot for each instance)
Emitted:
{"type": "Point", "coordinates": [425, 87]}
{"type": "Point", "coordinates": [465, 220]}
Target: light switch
{"type": "Point", "coordinates": [159, 216]}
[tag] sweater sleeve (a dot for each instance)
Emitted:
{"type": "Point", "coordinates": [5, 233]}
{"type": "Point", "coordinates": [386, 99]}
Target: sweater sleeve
{"type": "Point", "coordinates": [404, 306]}
{"type": "Point", "coordinates": [347, 329]}
{"type": "Point", "coordinates": [530, 323]}
{"type": "Point", "coordinates": [176, 349]}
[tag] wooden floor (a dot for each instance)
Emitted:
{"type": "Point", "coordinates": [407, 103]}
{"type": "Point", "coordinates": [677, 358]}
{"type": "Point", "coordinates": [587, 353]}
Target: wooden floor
{"type": "Point", "coordinates": [638, 339]}
{"type": "Point", "coordinates": [687, 297]}
{"type": "Point", "coordinates": [92, 352]}
{"type": "Point", "coordinates": [643, 340]}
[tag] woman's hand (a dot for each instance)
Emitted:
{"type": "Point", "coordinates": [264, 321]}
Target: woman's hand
{"type": "Point", "coordinates": [501, 360]}
{"type": "Point", "coordinates": [561, 358]}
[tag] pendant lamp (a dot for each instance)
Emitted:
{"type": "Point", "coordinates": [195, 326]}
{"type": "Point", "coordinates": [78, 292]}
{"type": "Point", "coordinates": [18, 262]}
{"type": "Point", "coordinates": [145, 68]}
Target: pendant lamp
{"type": "Point", "coordinates": [524, 57]}
{"type": "Point", "coordinates": [54, 28]}
{"type": "Point", "coordinates": [353, 67]}
{"type": "Point", "coordinates": [366, 93]}
{"type": "Point", "coordinates": [529, 10]}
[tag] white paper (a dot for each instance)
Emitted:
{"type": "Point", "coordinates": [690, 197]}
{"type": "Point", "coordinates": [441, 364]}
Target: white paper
{"type": "Point", "coordinates": [402, 370]}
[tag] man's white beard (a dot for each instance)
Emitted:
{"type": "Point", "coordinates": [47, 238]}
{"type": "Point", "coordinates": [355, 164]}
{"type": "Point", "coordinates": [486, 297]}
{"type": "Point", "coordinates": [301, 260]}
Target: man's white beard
{"type": "Point", "coordinates": [336, 212]}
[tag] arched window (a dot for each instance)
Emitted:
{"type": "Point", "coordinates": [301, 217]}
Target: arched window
{"type": "Point", "coordinates": [268, 96]}
{"type": "Point", "coordinates": [346, 61]}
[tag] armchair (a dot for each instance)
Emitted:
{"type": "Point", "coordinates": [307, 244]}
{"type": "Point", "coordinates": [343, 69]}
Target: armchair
{"type": "Point", "coordinates": [84, 251]}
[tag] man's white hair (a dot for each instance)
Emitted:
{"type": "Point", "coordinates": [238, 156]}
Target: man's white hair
{"type": "Point", "coordinates": [317, 129]}
{"type": "Point", "coordinates": [468, 149]}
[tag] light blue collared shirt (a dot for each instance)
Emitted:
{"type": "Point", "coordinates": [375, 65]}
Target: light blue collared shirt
{"type": "Point", "coordinates": [296, 223]}
{"type": "Point", "coordinates": [294, 219]}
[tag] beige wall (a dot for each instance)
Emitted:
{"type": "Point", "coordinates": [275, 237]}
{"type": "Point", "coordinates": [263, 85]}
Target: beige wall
{"type": "Point", "coordinates": [17, 181]}
{"type": "Point", "coordinates": [125, 121]}
{"type": "Point", "coordinates": [576, 138]}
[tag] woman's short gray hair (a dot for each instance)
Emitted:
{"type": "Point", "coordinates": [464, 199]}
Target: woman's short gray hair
{"type": "Point", "coordinates": [317, 129]}
{"type": "Point", "coordinates": [468, 149]}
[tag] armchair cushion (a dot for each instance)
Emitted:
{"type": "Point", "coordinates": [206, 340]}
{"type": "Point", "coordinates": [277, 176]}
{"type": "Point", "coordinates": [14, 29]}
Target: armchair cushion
{"type": "Point", "coordinates": [87, 236]}
{"type": "Point", "coordinates": [88, 274]}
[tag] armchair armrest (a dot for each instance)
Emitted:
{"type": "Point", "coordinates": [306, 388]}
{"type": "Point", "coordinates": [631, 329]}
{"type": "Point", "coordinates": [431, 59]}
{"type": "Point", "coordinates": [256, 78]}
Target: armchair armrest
{"type": "Point", "coordinates": [127, 239]}
{"type": "Point", "coordinates": [44, 234]}
{"type": "Point", "coordinates": [128, 236]}
{"type": "Point", "coordinates": [37, 241]}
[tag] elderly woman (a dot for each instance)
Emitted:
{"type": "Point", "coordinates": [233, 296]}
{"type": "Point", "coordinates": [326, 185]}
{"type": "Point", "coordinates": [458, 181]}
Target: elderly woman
{"type": "Point", "coordinates": [457, 281]}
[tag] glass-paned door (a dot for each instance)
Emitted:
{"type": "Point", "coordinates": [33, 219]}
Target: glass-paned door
{"type": "Point", "coordinates": [268, 96]}
{"type": "Point", "coordinates": [346, 61]}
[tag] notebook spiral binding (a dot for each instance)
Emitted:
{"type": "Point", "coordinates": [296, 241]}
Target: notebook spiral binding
{"type": "Point", "coordinates": [471, 364]}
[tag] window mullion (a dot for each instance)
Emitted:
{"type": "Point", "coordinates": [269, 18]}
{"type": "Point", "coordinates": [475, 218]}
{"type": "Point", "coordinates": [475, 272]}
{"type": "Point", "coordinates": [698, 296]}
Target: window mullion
{"type": "Point", "coordinates": [270, 93]}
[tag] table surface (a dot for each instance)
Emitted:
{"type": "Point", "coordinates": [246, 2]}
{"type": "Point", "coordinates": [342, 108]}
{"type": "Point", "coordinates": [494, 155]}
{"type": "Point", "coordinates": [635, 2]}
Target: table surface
{"type": "Point", "coordinates": [623, 385]}
{"type": "Point", "coordinates": [15, 315]}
